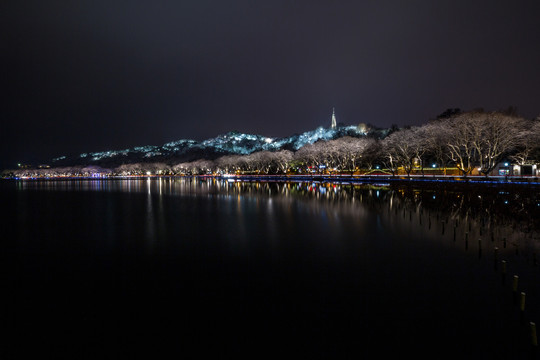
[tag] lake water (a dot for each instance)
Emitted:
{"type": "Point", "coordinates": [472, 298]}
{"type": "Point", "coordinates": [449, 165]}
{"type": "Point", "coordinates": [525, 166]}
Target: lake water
{"type": "Point", "coordinates": [115, 268]}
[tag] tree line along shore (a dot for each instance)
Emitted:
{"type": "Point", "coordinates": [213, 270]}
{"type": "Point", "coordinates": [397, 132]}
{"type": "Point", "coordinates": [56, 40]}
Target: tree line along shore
{"type": "Point", "coordinates": [474, 143]}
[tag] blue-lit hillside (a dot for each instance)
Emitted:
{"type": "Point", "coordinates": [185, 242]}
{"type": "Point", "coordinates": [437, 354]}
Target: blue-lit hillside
{"type": "Point", "coordinates": [231, 143]}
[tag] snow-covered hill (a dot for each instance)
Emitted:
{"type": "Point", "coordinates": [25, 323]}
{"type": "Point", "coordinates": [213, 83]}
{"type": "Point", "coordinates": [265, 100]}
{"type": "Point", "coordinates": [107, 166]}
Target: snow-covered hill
{"type": "Point", "coordinates": [229, 143]}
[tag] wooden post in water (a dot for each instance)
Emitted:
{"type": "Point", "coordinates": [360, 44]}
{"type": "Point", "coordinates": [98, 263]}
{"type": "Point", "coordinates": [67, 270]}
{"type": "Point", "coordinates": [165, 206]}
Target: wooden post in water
{"type": "Point", "coordinates": [515, 283]}
{"type": "Point", "coordinates": [534, 340]}
{"type": "Point", "coordinates": [522, 301]}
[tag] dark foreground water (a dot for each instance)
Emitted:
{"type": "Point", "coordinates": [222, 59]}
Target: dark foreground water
{"type": "Point", "coordinates": [172, 267]}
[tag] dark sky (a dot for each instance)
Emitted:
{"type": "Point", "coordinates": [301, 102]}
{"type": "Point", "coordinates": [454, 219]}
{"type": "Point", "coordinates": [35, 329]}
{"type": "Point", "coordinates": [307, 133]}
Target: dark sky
{"type": "Point", "coordinates": [95, 75]}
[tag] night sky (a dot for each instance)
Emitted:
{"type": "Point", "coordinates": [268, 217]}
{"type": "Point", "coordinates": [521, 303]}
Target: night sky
{"type": "Point", "coordinates": [80, 76]}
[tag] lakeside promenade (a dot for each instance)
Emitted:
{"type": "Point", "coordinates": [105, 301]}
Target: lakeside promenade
{"type": "Point", "coordinates": [317, 178]}
{"type": "Point", "coordinates": [327, 178]}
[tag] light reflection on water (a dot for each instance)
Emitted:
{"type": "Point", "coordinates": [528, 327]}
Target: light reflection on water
{"type": "Point", "coordinates": [302, 254]}
{"type": "Point", "coordinates": [487, 213]}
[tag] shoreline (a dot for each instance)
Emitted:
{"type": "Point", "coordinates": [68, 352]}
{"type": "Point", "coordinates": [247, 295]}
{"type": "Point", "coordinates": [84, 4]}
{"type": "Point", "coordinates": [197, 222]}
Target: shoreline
{"type": "Point", "coordinates": [317, 178]}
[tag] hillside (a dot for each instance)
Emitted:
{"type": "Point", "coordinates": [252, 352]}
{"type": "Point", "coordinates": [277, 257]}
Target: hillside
{"type": "Point", "coordinates": [230, 143]}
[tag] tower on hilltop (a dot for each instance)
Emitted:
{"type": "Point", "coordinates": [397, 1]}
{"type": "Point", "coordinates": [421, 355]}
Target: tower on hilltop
{"type": "Point", "coordinates": [334, 122]}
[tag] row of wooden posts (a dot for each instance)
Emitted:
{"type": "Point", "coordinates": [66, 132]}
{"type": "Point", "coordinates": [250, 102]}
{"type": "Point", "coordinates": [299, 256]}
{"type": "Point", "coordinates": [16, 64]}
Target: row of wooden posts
{"type": "Point", "coordinates": [522, 296]}
{"type": "Point", "coordinates": [515, 280]}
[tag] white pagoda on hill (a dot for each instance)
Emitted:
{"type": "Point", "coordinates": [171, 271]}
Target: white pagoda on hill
{"type": "Point", "coordinates": [334, 122]}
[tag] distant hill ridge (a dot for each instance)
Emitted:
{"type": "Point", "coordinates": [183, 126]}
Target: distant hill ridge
{"type": "Point", "coordinates": [226, 144]}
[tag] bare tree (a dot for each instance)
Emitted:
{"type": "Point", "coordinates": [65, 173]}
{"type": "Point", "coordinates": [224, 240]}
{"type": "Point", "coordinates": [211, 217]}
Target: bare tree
{"type": "Point", "coordinates": [529, 144]}
{"type": "Point", "coordinates": [130, 169]}
{"type": "Point", "coordinates": [436, 146]}
{"type": "Point", "coordinates": [201, 167]}
{"type": "Point", "coordinates": [481, 139]}
{"type": "Point", "coordinates": [389, 156]}
{"type": "Point", "coordinates": [498, 135]}
{"type": "Point", "coordinates": [347, 151]}
{"type": "Point", "coordinates": [310, 155]}
{"type": "Point", "coordinates": [229, 163]}
{"type": "Point", "coordinates": [281, 160]}
{"type": "Point", "coordinates": [460, 133]}
{"type": "Point", "coordinates": [325, 154]}
{"type": "Point", "coordinates": [405, 148]}
{"type": "Point", "coordinates": [371, 154]}
{"type": "Point", "coordinates": [260, 161]}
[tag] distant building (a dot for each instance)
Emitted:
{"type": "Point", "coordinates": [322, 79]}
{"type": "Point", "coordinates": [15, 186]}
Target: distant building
{"type": "Point", "coordinates": [506, 168]}
{"type": "Point", "coordinates": [362, 128]}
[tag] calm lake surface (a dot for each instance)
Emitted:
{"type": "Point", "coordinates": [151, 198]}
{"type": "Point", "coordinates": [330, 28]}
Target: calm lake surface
{"type": "Point", "coordinates": [115, 268]}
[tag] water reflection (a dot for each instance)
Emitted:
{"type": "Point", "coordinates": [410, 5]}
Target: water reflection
{"type": "Point", "coordinates": [314, 256]}
{"type": "Point", "coordinates": [508, 214]}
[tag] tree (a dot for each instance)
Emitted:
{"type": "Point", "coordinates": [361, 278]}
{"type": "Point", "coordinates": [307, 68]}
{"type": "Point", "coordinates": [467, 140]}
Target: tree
{"type": "Point", "coordinates": [460, 133]}
{"type": "Point", "coordinates": [371, 154]}
{"type": "Point", "coordinates": [481, 139]}
{"type": "Point", "coordinates": [499, 134]}
{"type": "Point", "coordinates": [281, 160]}
{"type": "Point", "coordinates": [528, 149]}
{"type": "Point", "coordinates": [311, 155]}
{"type": "Point", "coordinates": [448, 113]}
{"type": "Point", "coordinates": [405, 148]}
{"type": "Point", "coordinates": [389, 158]}
{"type": "Point", "coordinates": [228, 163]}
{"type": "Point", "coordinates": [347, 151]}
{"type": "Point", "coordinates": [436, 147]}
